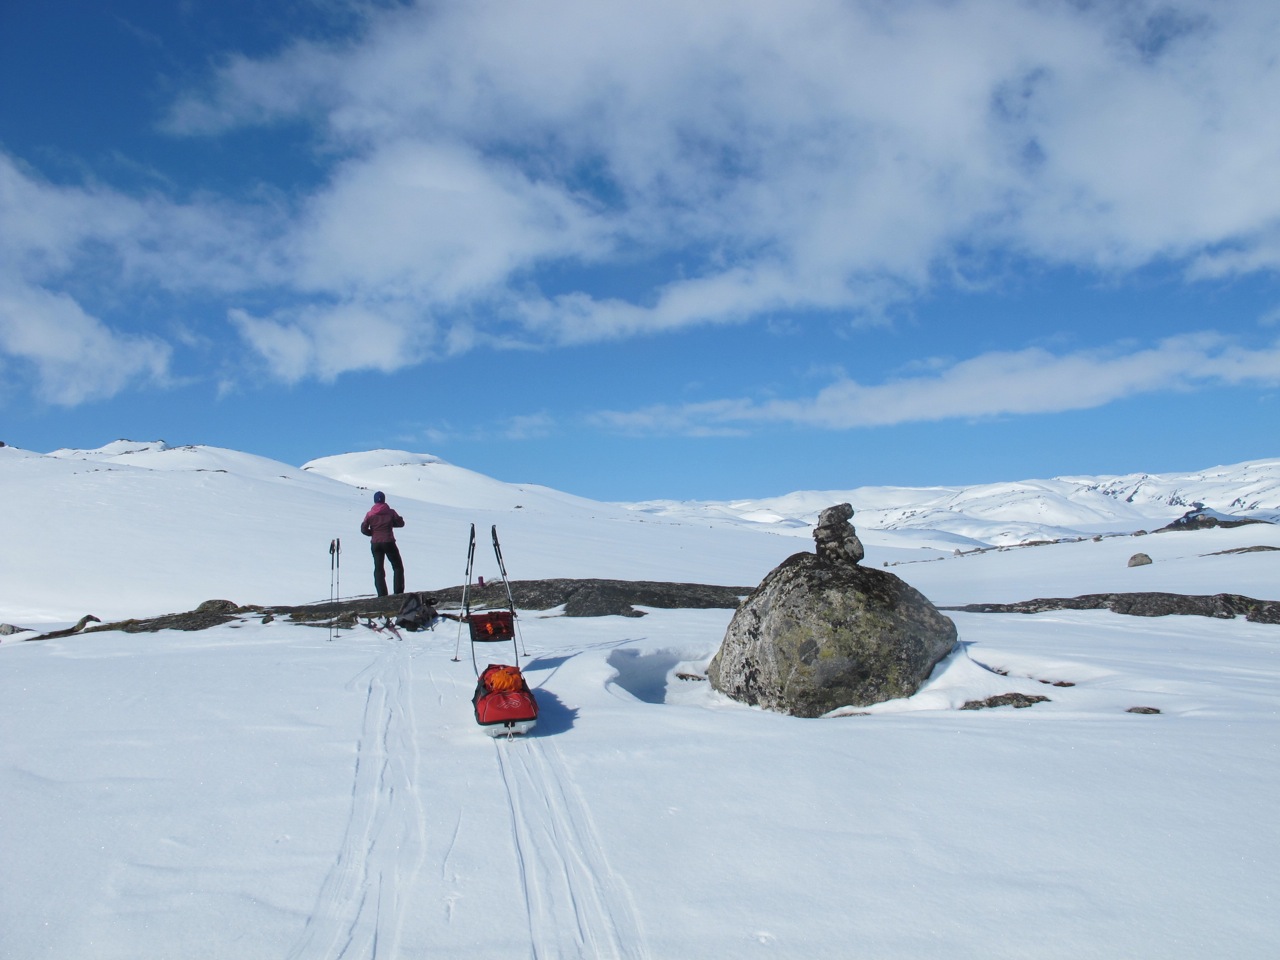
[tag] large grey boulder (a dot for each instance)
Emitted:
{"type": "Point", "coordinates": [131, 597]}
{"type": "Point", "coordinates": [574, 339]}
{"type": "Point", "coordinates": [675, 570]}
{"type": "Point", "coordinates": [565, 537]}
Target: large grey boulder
{"type": "Point", "coordinates": [822, 632]}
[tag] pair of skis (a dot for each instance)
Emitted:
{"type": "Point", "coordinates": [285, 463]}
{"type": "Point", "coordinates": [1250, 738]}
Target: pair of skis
{"type": "Point", "coordinates": [466, 593]}
{"type": "Point", "coordinates": [384, 628]}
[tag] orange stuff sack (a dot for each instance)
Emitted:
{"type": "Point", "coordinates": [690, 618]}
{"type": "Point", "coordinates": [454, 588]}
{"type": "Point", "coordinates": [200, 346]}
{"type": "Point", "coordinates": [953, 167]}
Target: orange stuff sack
{"type": "Point", "coordinates": [503, 679]}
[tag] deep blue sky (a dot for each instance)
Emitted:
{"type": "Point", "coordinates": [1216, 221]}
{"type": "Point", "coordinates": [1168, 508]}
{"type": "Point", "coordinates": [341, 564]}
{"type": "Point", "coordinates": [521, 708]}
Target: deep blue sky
{"type": "Point", "coordinates": [640, 250]}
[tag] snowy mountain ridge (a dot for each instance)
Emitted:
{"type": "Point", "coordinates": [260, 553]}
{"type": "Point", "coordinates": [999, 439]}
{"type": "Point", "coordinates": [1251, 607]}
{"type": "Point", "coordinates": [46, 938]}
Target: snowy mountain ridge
{"type": "Point", "coordinates": [992, 514]}
{"type": "Point", "coordinates": [1023, 511]}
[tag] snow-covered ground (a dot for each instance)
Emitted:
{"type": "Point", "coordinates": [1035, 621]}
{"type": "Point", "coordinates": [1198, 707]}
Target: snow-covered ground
{"type": "Point", "coordinates": [258, 791]}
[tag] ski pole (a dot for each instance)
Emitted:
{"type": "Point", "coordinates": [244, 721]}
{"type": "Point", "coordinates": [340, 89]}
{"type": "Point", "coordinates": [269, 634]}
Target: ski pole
{"type": "Point", "coordinates": [333, 571]}
{"type": "Point", "coordinates": [511, 602]}
{"type": "Point", "coordinates": [466, 595]}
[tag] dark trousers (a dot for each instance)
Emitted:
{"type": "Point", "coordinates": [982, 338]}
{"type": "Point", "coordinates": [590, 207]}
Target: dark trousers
{"type": "Point", "coordinates": [387, 551]}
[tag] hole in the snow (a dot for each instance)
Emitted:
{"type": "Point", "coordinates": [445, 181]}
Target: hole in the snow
{"type": "Point", "coordinates": [643, 675]}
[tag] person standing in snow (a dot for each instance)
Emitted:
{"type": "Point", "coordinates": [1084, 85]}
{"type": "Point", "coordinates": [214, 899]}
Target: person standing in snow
{"type": "Point", "coordinates": [378, 524]}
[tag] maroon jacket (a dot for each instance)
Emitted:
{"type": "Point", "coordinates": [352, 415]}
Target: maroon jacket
{"type": "Point", "coordinates": [378, 523]}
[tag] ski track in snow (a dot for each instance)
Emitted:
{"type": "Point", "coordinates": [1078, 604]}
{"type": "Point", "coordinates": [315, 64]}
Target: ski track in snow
{"type": "Point", "coordinates": [365, 899]}
{"type": "Point", "coordinates": [578, 906]}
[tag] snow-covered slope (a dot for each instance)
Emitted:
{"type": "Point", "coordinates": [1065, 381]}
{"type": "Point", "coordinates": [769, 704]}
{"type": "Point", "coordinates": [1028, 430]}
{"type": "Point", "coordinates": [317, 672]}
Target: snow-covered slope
{"type": "Point", "coordinates": [419, 476]}
{"type": "Point", "coordinates": [136, 529]}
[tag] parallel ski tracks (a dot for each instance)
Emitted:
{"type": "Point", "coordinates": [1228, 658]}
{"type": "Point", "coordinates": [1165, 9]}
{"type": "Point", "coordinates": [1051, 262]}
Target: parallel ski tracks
{"type": "Point", "coordinates": [362, 905]}
{"type": "Point", "coordinates": [578, 906]}
{"type": "Point", "coordinates": [369, 906]}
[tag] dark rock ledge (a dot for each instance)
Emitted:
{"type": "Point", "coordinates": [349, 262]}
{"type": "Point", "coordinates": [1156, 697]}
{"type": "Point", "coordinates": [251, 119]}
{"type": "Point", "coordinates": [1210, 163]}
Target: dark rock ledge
{"type": "Point", "coordinates": [1017, 700]}
{"type": "Point", "coordinates": [580, 598]}
{"type": "Point", "coordinates": [1224, 606]}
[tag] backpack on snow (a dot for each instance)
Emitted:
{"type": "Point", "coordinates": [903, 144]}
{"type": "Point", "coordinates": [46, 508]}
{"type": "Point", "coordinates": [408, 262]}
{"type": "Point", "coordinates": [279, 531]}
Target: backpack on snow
{"type": "Point", "coordinates": [418, 612]}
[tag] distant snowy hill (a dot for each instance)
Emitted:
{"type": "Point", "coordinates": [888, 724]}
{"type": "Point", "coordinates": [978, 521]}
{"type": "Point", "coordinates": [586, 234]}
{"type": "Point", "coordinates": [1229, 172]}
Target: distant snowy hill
{"type": "Point", "coordinates": [127, 529]}
{"type": "Point", "coordinates": [1017, 512]}
{"type": "Point", "coordinates": [424, 477]}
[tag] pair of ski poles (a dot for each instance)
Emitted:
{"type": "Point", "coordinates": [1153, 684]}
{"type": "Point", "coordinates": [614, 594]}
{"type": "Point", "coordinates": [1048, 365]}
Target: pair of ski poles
{"type": "Point", "coordinates": [335, 581]}
{"type": "Point", "coordinates": [466, 595]}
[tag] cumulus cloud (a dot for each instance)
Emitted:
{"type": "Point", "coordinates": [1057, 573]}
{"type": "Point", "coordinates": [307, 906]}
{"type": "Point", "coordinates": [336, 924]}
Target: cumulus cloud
{"type": "Point", "coordinates": [75, 356]}
{"type": "Point", "coordinates": [53, 232]}
{"type": "Point", "coordinates": [325, 341]}
{"type": "Point", "coordinates": [434, 223]}
{"type": "Point", "coordinates": [1030, 381]}
{"type": "Point", "coordinates": [62, 247]}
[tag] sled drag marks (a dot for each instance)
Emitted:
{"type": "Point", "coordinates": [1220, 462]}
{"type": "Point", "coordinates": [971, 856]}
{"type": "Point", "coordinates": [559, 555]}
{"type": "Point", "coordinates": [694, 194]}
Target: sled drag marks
{"type": "Point", "coordinates": [366, 897]}
{"type": "Point", "coordinates": [578, 906]}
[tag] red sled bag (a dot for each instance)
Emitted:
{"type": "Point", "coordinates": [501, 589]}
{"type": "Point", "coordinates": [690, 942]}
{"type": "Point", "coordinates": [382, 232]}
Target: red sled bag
{"type": "Point", "coordinates": [503, 702]}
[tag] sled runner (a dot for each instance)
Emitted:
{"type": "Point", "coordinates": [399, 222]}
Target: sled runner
{"type": "Point", "coordinates": [503, 702]}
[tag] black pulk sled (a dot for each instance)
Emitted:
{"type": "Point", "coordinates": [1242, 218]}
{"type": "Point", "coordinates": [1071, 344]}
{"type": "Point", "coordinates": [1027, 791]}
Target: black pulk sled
{"type": "Point", "coordinates": [503, 702]}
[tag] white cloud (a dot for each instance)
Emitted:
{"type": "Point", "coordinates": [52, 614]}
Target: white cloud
{"type": "Point", "coordinates": [75, 356]}
{"type": "Point", "coordinates": [1005, 383]}
{"type": "Point", "coordinates": [731, 295]}
{"type": "Point", "coordinates": [805, 154]}
{"type": "Point", "coordinates": [69, 253]}
{"type": "Point", "coordinates": [325, 341]}
{"type": "Point", "coordinates": [493, 166]}
{"type": "Point", "coordinates": [51, 232]}
{"type": "Point", "coordinates": [435, 223]}
{"type": "Point", "coordinates": [533, 426]}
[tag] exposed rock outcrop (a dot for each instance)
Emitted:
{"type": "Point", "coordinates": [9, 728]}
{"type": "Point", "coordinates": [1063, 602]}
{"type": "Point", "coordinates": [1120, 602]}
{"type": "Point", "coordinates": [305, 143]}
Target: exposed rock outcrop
{"type": "Point", "coordinates": [598, 598]}
{"type": "Point", "coordinates": [1139, 560]}
{"type": "Point", "coordinates": [83, 622]}
{"type": "Point", "coordinates": [1223, 606]}
{"type": "Point", "coordinates": [580, 598]}
{"type": "Point", "coordinates": [1019, 701]}
{"type": "Point", "coordinates": [1200, 517]}
{"type": "Point", "coordinates": [822, 632]}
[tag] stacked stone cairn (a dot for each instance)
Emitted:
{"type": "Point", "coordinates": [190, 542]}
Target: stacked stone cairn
{"type": "Point", "coordinates": [822, 632]}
